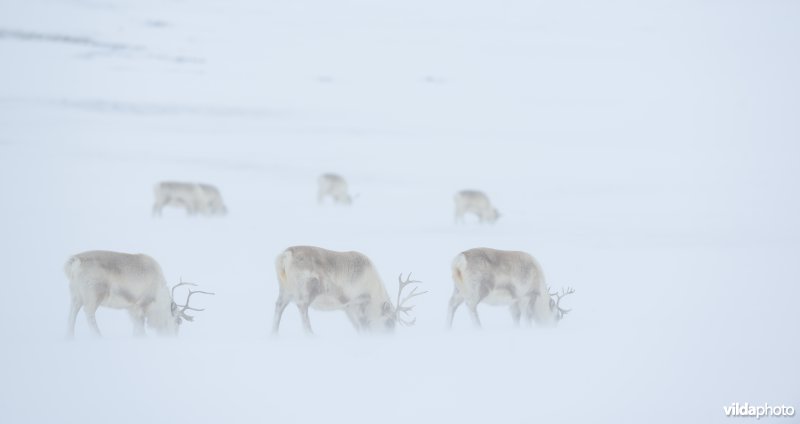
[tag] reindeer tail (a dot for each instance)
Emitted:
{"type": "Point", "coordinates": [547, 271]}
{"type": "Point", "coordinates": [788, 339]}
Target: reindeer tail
{"type": "Point", "coordinates": [459, 266]}
{"type": "Point", "coordinates": [72, 266]}
{"type": "Point", "coordinates": [281, 263]}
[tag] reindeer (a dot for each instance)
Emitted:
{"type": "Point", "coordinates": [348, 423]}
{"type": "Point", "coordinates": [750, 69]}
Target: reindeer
{"type": "Point", "coordinates": [327, 280]}
{"type": "Point", "coordinates": [335, 186]}
{"type": "Point", "coordinates": [476, 202]}
{"type": "Point", "coordinates": [213, 200]}
{"type": "Point", "coordinates": [500, 277]}
{"type": "Point", "coordinates": [195, 198]}
{"type": "Point", "coordinates": [125, 281]}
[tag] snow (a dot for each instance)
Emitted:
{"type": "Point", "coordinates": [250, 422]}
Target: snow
{"type": "Point", "coordinates": [645, 152]}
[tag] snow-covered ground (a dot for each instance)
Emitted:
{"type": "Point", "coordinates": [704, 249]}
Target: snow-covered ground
{"type": "Point", "coordinates": [646, 152]}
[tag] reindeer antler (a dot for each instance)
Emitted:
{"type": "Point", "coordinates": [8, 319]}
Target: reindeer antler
{"type": "Point", "coordinates": [185, 307]}
{"type": "Point", "coordinates": [564, 292]}
{"type": "Point", "coordinates": [180, 283]}
{"type": "Point", "coordinates": [401, 308]}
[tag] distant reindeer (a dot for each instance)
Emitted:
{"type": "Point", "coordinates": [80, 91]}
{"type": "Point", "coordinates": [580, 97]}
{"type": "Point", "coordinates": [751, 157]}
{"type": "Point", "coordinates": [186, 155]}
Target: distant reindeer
{"type": "Point", "coordinates": [327, 280]}
{"type": "Point", "coordinates": [335, 186]}
{"type": "Point", "coordinates": [213, 200]}
{"type": "Point", "coordinates": [124, 281]}
{"type": "Point", "coordinates": [195, 198]}
{"type": "Point", "coordinates": [500, 277]}
{"type": "Point", "coordinates": [476, 202]}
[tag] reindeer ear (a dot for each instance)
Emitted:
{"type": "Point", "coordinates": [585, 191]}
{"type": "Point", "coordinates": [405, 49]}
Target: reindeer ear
{"type": "Point", "coordinates": [552, 303]}
{"type": "Point", "coordinates": [386, 307]}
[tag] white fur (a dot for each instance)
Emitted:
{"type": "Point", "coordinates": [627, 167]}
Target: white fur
{"type": "Point", "coordinates": [327, 280]}
{"type": "Point", "coordinates": [120, 281]}
{"type": "Point", "coordinates": [195, 198]}
{"type": "Point", "coordinates": [500, 277]}
{"type": "Point", "coordinates": [335, 187]}
{"type": "Point", "coordinates": [475, 202]}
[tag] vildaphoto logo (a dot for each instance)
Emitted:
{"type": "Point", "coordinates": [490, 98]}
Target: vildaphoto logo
{"type": "Point", "coordinates": [737, 409]}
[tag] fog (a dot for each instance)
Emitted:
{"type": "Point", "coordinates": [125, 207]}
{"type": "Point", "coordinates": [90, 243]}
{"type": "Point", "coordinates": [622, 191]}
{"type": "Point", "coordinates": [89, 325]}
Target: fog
{"type": "Point", "coordinates": [644, 152]}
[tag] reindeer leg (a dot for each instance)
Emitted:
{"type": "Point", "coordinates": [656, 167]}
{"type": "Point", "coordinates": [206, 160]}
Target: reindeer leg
{"type": "Point", "coordinates": [91, 301]}
{"type": "Point", "coordinates": [310, 289]}
{"type": "Point", "coordinates": [352, 316]}
{"type": "Point", "coordinates": [303, 308]}
{"type": "Point", "coordinates": [75, 307]}
{"type": "Point", "coordinates": [484, 288]}
{"type": "Point", "coordinates": [527, 310]}
{"type": "Point", "coordinates": [137, 317]}
{"type": "Point", "coordinates": [473, 311]}
{"type": "Point", "coordinates": [89, 310]}
{"type": "Point", "coordinates": [455, 301]}
{"type": "Point", "coordinates": [516, 313]}
{"type": "Point", "coordinates": [280, 305]}
{"type": "Point", "coordinates": [161, 202]}
{"type": "Point", "coordinates": [357, 317]}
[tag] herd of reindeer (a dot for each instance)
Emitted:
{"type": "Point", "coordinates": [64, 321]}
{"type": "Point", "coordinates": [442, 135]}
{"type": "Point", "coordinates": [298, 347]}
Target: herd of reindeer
{"type": "Point", "coordinates": [312, 277]}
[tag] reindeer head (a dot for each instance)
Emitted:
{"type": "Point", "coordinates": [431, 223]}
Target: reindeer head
{"type": "Point", "coordinates": [346, 199]}
{"type": "Point", "coordinates": [391, 315]}
{"type": "Point", "coordinates": [547, 310]}
{"type": "Point", "coordinates": [179, 311]}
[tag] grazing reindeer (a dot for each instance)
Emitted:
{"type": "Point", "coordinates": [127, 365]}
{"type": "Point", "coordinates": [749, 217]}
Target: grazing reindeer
{"type": "Point", "coordinates": [213, 200]}
{"type": "Point", "coordinates": [500, 277]}
{"type": "Point", "coordinates": [195, 198]}
{"type": "Point", "coordinates": [124, 281]}
{"type": "Point", "coordinates": [328, 280]}
{"type": "Point", "coordinates": [335, 186]}
{"type": "Point", "coordinates": [476, 202]}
